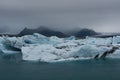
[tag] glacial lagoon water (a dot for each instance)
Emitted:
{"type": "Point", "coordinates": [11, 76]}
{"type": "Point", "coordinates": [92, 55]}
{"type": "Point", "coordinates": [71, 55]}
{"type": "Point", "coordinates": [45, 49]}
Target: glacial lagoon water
{"type": "Point", "coordinates": [107, 69]}
{"type": "Point", "coordinates": [37, 47]}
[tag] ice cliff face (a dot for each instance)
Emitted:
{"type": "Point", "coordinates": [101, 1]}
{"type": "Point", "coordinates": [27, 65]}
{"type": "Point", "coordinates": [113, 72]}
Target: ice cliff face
{"type": "Point", "coordinates": [37, 47]}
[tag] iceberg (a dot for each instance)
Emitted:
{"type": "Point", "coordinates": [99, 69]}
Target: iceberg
{"type": "Point", "coordinates": [43, 53]}
{"type": "Point", "coordinates": [38, 47]}
{"type": "Point", "coordinates": [116, 40]}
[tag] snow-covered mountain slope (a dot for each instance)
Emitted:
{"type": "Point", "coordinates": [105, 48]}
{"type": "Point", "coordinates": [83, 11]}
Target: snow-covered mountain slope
{"type": "Point", "coordinates": [37, 47]}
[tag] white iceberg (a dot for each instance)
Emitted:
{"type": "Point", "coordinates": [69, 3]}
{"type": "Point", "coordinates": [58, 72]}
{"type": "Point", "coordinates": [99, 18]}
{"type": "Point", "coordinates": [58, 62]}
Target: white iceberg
{"type": "Point", "coordinates": [37, 47]}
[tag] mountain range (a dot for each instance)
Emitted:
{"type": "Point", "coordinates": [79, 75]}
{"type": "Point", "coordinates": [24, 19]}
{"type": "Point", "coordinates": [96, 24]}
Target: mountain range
{"type": "Point", "coordinates": [79, 33]}
{"type": "Point", "coordinates": [82, 33]}
{"type": "Point", "coordinates": [41, 30]}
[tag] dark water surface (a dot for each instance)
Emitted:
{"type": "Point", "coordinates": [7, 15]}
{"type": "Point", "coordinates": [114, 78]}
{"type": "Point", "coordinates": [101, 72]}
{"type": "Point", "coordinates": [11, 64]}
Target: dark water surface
{"type": "Point", "coordinates": [108, 69]}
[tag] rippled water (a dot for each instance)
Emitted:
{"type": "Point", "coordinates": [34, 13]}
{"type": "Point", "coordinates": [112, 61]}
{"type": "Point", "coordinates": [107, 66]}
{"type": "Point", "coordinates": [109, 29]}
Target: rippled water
{"type": "Point", "coordinates": [107, 69]}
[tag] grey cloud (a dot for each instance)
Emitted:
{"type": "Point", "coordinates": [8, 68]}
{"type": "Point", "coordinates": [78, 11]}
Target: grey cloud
{"type": "Point", "coordinates": [100, 15]}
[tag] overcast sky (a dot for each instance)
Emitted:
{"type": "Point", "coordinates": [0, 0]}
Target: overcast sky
{"type": "Point", "coordinates": [100, 15]}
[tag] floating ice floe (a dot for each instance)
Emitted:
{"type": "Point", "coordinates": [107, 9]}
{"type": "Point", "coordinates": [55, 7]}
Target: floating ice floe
{"type": "Point", "coordinates": [37, 47]}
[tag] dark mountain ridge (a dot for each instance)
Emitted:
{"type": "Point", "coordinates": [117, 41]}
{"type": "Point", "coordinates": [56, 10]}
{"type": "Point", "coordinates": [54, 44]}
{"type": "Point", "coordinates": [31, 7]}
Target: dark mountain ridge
{"type": "Point", "coordinates": [41, 30]}
{"type": "Point", "coordinates": [82, 33]}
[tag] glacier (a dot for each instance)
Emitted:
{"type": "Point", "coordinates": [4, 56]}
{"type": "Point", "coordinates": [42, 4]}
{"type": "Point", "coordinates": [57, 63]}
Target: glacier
{"type": "Point", "coordinates": [38, 47]}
